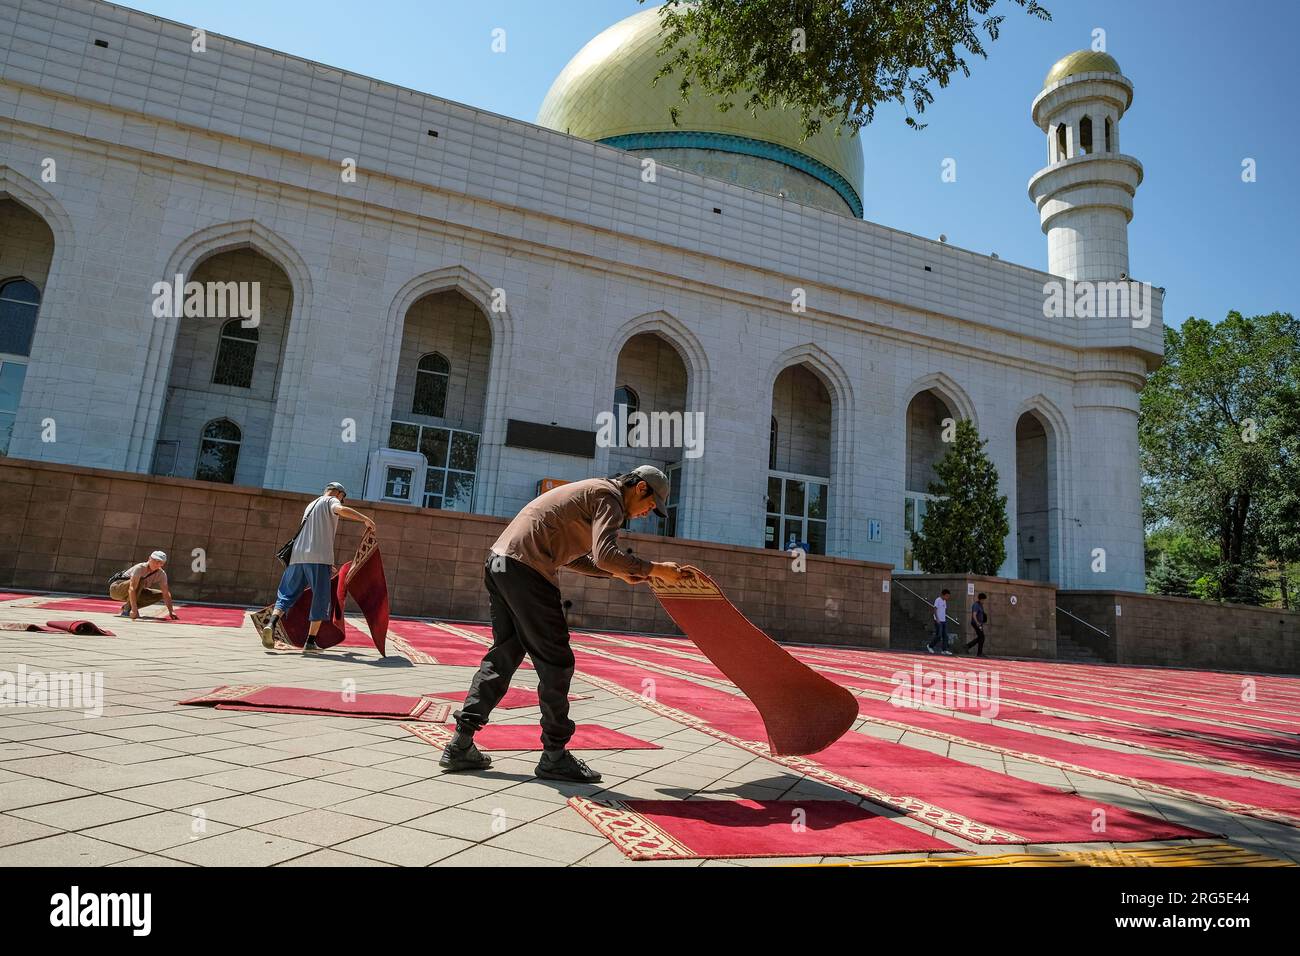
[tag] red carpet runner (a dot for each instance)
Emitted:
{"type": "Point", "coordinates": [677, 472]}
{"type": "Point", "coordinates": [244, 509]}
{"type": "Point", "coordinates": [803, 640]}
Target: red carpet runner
{"type": "Point", "coordinates": [424, 643]}
{"type": "Point", "coordinates": [732, 829]}
{"type": "Point", "coordinates": [186, 613]}
{"type": "Point", "coordinates": [1236, 794]}
{"type": "Point", "coordinates": [980, 805]}
{"type": "Point", "coordinates": [802, 711]}
{"type": "Point", "coordinates": [302, 700]}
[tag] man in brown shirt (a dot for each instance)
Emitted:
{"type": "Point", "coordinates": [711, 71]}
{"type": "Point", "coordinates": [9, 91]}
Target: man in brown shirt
{"type": "Point", "coordinates": [572, 526]}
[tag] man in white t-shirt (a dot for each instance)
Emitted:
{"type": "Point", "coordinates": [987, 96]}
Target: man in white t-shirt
{"type": "Point", "coordinates": [940, 625]}
{"type": "Point", "coordinates": [312, 562]}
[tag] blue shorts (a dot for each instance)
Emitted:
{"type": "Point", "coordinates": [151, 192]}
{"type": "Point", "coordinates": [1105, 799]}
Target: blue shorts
{"type": "Point", "coordinates": [295, 579]}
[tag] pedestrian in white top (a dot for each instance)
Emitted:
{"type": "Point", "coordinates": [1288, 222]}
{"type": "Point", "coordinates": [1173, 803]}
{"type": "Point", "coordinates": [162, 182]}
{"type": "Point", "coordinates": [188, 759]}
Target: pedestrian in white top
{"type": "Point", "coordinates": [940, 624]}
{"type": "Point", "coordinates": [312, 561]}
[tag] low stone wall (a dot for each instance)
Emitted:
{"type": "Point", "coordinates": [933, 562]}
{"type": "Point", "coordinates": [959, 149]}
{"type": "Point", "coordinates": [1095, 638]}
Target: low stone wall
{"type": "Point", "coordinates": [69, 529]}
{"type": "Point", "coordinates": [1155, 629]}
{"type": "Point", "coordinates": [1020, 613]}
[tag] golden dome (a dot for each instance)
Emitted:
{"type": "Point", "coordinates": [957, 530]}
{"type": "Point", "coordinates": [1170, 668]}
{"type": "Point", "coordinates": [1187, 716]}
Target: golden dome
{"type": "Point", "coordinates": [606, 93]}
{"type": "Point", "coordinates": [1081, 61]}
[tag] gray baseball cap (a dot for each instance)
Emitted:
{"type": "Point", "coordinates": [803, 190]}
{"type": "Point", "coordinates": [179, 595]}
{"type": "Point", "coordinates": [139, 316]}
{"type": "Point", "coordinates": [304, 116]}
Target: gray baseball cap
{"type": "Point", "coordinates": [335, 486]}
{"type": "Point", "coordinates": [658, 483]}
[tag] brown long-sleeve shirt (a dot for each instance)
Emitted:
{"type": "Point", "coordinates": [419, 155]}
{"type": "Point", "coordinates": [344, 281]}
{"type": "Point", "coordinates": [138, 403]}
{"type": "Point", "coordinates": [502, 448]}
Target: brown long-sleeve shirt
{"type": "Point", "coordinates": [572, 526]}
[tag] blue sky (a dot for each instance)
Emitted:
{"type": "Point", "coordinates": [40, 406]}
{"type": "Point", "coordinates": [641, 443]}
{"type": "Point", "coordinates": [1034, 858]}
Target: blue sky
{"type": "Point", "coordinates": [1214, 84]}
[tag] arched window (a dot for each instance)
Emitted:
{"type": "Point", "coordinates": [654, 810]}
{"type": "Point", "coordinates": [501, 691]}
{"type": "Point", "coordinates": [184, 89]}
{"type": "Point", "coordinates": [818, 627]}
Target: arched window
{"type": "Point", "coordinates": [19, 303]}
{"type": "Point", "coordinates": [1085, 134]}
{"type": "Point", "coordinates": [1109, 147]}
{"type": "Point", "coordinates": [626, 397]}
{"type": "Point", "coordinates": [1060, 142]}
{"type": "Point", "coordinates": [771, 445]}
{"type": "Point", "coordinates": [432, 376]}
{"type": "Point", "coordinates": [236, 355]}
{"type": "Point", "coordinates": [219, 451]}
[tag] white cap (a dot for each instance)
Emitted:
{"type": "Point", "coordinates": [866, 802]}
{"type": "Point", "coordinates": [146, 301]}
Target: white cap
{"type": "Point", "coordinates": [159, 556]}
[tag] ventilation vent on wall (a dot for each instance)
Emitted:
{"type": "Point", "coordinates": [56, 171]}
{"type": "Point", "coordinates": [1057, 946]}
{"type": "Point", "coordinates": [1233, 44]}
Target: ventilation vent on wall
{"type": "Point", "coordinates": [102, 43]}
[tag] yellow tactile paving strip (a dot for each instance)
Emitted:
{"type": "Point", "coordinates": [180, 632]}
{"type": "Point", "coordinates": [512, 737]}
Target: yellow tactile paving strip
{"type": "Point", "coordinates": [1218, 854]}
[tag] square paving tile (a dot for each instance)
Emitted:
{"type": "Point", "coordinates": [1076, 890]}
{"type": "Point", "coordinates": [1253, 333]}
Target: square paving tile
{"type": "Point", "coordinates": [320, 827]}
{"type": "Point", "coordinates": [403, 846]}
{"type": "Point", "coordinates": [239, 848]}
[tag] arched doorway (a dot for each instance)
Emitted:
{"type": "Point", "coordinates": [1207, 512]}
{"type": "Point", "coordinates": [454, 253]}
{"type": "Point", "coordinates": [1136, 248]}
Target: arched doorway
{"type": "Point", "coordinates": [799, 462]}
{"type": "Point", "coordinates": [651, 379]}
{"type": "Point", "coordinates": [26, 251]}
{"type": "Point", "coordinates": [929, 421]}
{"type": "Point", "coordinates": [226, 369]}
{"type": "Point", "coordinates": [1037, 508]}
{"type": "Point", "coordinates": [440, 394]}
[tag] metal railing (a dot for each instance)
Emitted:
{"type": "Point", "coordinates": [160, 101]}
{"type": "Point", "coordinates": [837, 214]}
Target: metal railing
{"type": "Point", "coordinates": [929, 604]}
{"type": "Point", "coordinates": [1075, 617]}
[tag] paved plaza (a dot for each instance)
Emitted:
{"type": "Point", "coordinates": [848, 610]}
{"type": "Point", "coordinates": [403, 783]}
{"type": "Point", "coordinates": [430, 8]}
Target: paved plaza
{"type": "Point", "coordinates": [150, 783]}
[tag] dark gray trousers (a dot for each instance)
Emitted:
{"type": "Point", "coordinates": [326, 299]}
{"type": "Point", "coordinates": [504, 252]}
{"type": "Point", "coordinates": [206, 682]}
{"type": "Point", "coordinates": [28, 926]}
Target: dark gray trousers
{"type": "Point", "coordinates": [527, 618]}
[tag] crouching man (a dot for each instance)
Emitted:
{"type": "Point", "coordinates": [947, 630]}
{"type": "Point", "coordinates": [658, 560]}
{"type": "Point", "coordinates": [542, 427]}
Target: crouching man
{"type": "Point", "coordinates": [572, 526]}
{"type": "Point", "coordinates": [142, 585]}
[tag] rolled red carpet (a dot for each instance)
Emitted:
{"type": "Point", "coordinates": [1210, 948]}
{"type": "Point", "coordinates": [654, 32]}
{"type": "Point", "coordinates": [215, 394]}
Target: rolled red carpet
{"type": "Point", "coordinates": [79, 627]}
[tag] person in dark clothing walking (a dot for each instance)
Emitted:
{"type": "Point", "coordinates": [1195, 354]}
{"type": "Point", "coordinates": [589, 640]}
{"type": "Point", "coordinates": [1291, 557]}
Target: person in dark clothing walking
{"type": "Point", "coordinates": [978, 618]}
{"type": "Point", "coordinates": [573, 526]}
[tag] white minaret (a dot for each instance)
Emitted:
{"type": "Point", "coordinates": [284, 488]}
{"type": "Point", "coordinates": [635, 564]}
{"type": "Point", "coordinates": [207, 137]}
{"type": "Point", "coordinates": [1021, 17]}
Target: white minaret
{"type": "Point", "coordinates": [1085, 193]}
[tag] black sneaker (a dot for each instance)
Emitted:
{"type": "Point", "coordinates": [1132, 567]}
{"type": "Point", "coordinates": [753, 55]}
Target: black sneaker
{"type": "Point", "coordinates": [456, 758]}
{"type": "Point", "coordinates": [311, 647]}
{"type": "Point", "coordinates": [566, 767]}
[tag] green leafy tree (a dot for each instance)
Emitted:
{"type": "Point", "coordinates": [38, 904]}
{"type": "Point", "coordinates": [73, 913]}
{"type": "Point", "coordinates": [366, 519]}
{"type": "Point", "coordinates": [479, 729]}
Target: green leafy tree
{"type": "Point", "coordinates": [833, 60]}
{"type": "Point", "coordinates": [965, 528]}
{"type": "Point", "coordinates": [1179, 563]}
{"type": "Point", "coordinates": [1280, 517]}
{"type": "Point", "coordinates": [1214, 452]}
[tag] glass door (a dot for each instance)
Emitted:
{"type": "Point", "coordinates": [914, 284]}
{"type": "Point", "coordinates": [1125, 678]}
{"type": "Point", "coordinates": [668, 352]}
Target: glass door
{"type": "Point", "coordinates": [914, 506]}
{"type": "Point", "coordinates": [796, 512]}
{"type": "Point", "coordinates": [452, 455]}
{"type": "Point", "coordinates": [11, 390]}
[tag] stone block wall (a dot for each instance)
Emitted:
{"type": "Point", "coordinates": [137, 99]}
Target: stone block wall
{"type": "Point", "coordinates": [69, 529]}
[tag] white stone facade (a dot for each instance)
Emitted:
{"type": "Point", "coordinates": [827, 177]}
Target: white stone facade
{"type": "Point", "coordinates": [165, 157]}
